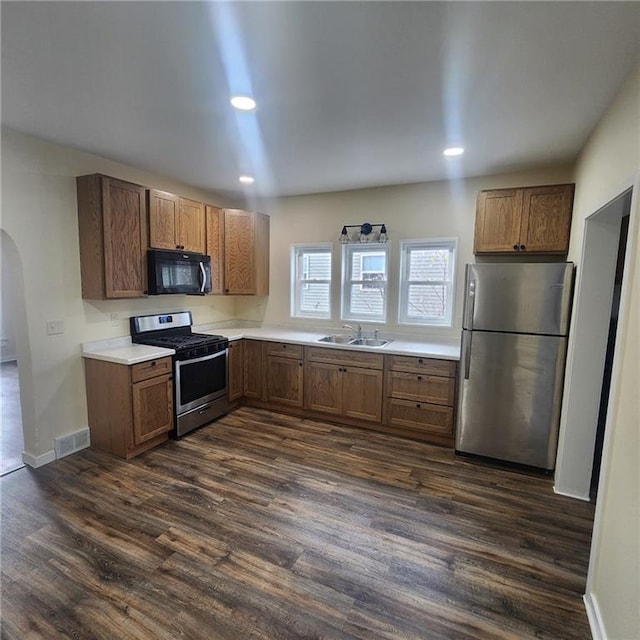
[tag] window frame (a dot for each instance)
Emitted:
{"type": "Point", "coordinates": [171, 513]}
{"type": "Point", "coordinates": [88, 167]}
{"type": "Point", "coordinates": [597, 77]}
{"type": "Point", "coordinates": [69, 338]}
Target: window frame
{"type": "Point", "coordinates": [298, 282]}
{"type": "Point", "coordinates": [348, 251]}
{"type": "Point", "coordinates": [451, 244]}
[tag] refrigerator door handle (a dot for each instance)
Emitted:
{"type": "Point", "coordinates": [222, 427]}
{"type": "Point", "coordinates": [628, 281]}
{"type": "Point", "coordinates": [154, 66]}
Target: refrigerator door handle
{"type": "Point", "coordinates": [468, 338]}
{"type": "Point", "coordinates": [470, 304]}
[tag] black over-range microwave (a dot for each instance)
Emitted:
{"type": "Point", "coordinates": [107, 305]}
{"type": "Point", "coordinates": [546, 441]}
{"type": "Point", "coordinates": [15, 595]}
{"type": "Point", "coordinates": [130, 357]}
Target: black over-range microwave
{"type": "Point", "coordinates": [178, 272]}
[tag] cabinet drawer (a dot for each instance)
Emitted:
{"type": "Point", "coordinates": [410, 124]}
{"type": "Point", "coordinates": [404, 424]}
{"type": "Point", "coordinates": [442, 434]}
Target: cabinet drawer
{"type": "Point", "coordinates": [150, 369]}
{"type": "Point", "coordinates": [284, 350]}
{"type": "Point", "coordinates": [420, 387]}
{"type": "Point", "coordinates": [430, 366]}
{"type": "Point", "coordinates": [420, 416]}
{"type": "Point", "coordinates": [351, 357]}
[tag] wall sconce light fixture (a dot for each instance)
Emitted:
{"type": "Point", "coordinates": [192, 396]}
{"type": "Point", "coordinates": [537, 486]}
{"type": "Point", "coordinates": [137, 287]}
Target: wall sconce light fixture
{"type": "Point", "coordinates": [365, 233]}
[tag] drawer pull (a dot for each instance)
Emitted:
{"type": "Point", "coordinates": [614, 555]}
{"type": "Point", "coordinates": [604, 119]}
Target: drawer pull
{"type": "Point", "coordinates": [418, 405]}
{"type": "Point", "coordinates": [419, 377]}
{"type": "Point", "coordinates": [420, 361]}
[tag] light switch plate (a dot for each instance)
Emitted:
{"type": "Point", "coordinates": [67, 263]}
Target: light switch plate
{"type": "Point", "coordinates": [55, 327]}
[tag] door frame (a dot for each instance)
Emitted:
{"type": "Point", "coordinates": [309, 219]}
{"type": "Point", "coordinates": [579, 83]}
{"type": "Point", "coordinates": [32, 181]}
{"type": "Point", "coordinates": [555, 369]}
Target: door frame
{"type": "Point", "coordinates": [588, 342]}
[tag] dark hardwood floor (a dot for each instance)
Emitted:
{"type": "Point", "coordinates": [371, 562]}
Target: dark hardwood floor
{"type": "Point", "coordinates": [270, 527]}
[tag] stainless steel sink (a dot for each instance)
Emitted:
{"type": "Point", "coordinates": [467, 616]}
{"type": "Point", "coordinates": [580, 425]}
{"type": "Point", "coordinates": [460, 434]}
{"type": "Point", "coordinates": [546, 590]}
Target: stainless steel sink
{"type": "Point", "coordinates": [356, 342]}
{"type": "Point", "coordinates": [336, 339]}
{"type": "Point", "coordinates": [369, 342]}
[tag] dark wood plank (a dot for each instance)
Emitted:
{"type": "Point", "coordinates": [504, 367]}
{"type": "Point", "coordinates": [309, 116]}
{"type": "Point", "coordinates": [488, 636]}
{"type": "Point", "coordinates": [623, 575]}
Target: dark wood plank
{"type": "Point", "coordinates": [264, 526]}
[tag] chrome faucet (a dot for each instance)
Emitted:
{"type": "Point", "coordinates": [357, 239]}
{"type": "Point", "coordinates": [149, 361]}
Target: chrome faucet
{"type": "Point", "coordinates": [356, 333]}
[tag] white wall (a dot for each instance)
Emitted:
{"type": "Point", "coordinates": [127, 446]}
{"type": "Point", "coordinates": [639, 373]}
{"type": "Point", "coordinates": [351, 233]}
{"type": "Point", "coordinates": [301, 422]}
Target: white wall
{"type": "Point", "coordinates": [39, 215]}
{"type": "Point", "coordinates": [609, 164]}
{"type": "Point", "coordinates": [425, 210]}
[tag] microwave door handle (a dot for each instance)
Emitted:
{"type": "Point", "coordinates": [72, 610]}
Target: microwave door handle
{"type": "Point", "coordinates": [204, 276]}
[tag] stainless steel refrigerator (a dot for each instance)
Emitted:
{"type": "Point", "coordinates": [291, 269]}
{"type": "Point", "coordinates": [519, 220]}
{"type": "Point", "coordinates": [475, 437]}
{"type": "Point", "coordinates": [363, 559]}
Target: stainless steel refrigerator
{"type": "Point", "coordinates": [514, 344]}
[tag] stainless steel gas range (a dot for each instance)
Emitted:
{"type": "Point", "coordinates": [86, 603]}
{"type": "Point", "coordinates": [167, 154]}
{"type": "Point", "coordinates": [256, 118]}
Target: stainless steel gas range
{"type": "Point", "coordinates": [199, 367]}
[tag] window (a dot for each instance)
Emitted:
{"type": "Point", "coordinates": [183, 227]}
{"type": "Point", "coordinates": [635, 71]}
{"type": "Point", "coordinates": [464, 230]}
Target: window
{"type": "Point", "coordinates": [311, 281]}
{"type": "Point", "coordinates": [364, 282]}
{"type": "Point", "coordinates": [427, 270]}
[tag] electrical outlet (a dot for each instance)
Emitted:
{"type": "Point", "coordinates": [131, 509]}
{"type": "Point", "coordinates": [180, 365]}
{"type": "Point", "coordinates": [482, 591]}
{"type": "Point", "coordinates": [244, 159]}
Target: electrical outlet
{"type": "Point", "coordinates": [55, 327]}
{"type": "Point", "coordinates": [113, 317]}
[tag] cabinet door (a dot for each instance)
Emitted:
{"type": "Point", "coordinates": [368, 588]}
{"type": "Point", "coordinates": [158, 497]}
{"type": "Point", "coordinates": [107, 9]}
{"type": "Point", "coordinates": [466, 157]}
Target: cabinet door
{"type": "Point", "coordinates": [252, 368]}
{"type": "Point", "coordinates": [362, 393]}
{"type": "Point", "coordinates": [163, 214]}
{"type": "Point", "coordinates": [546, 219]}
{"type": "Point", "coordinates": [152, 408]}
{"type": "Point", "coordinates": [498, 217]}
{"type": "Point", "coordinates": [125, 239]}
{"type": "Point", "coordinates": [323, 387]}
{"type": "Point", "coordinates": [284, 380]}
{"type": "Point", "coordinates": [215, 246]}
{"type": "Point", "coordinates": [236, 369]}
{"type": "Point", "coordinates": [190, 226]}
{"type": "Point", "coordinates": [239, 252]}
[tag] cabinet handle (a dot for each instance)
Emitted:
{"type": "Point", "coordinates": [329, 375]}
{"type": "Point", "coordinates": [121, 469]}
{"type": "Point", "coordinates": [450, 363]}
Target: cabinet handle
{"type": "Point", "coordinates": [153, 364]}
{"type": "Point", "coordinates": [284, 346]}
{"type": "Point", "coordinates": [299, 364]}
{"type": "Point", "coordinates": [419, 377]}
{"type": "Point", "coordinates": [418, 405]}
{"type": "Point", "coordinates": [516, 247]}
{"type": "Point", "coordinates": [420, 361]}
{"type": "Point", "coordinates": [523, 247]}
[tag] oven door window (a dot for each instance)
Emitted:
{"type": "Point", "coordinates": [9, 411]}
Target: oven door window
{"type": "Point", "coordinates": [200, 380]}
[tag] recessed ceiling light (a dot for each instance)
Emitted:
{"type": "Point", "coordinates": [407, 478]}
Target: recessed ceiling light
{"type": "Point", "coordinates": [244, 103]}
{"type": "Point", "coordinates": [453, 151]}
{"type": "Point", "coordinates": [246, 179]}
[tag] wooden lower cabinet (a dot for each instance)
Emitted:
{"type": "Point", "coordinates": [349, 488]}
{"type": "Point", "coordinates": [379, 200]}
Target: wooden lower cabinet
{"type": "Point", "coordinates": [284, 380]}
{"type": "Point", "coordinates": [235, 365]}
{"type": "Point", "coordinates": [420, 398]}
{"type": "Point", "coordinates": [130, 408]}
{"type": "Point", "coordinates": [333, 385]}
{"type": "Point", "coordinates": [252, 369]}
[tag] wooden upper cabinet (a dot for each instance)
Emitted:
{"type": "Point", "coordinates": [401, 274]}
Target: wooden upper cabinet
{"type": "Point", "coordinates": [246, 253]}
{"type": "Point", "coordinates": [175, 222]}
{"type": "Point", "coordinates": [546, 219]}
{"type": "Point", "coordinates": [112, 226]}
{"type": "Point", "coordinates": [215, 246]}
{"type": "Point", "coordinates": [524, 220]}
{"type": "Point", "coordinates": [498, 217]}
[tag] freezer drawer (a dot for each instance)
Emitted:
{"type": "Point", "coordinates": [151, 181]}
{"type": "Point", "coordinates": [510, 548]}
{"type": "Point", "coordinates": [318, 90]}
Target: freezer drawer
{"type": "Point", "coordinates": [510, 396]}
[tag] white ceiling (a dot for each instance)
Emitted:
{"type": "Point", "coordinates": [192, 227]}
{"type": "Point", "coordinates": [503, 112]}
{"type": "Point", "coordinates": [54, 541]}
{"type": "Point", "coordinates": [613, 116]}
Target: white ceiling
{"type": "Point", "coordinates": [350, 94]}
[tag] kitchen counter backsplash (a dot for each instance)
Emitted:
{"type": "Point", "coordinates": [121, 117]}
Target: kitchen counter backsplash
{"type": "Point", "coordinates": [122, 351]}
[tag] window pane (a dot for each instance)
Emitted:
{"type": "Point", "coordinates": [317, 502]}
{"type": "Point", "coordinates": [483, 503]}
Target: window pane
{"type": "Point", "coordinates": [366, 261]}
{"type": "Point", "coordinates": [314, 298]}
{"type": "Point", "coordinates": [318, 266]}
{"type": "Point", "coordinates": [367, 300]}
{"type": "Point", "coordinates": [428, 264]}
{"type": "Point", "coordinates": [310, 294]}
{"type": "Point", "coordinates": [373, 263]}
{"type": "Point", "coordinates": [427, 302]}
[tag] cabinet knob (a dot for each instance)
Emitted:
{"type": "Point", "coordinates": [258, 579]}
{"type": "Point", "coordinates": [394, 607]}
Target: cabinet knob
{"type": "Point", "coordinates": [523, 247]}
{"type": "Point", "coordinates": [516, 247]}
{"type": "Point", "coordinates": [299, 364]}
{"type": "Point", "coordinates": [420, 361]}
{"type": "Point", "coordinates": [419, 377]}
{"type": "Point", "coordinates": [418, 405]}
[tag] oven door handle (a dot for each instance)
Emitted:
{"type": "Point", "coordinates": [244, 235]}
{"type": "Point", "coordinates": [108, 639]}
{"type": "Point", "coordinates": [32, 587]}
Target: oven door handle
{"type": "Point", "coordinates": [211, 356]}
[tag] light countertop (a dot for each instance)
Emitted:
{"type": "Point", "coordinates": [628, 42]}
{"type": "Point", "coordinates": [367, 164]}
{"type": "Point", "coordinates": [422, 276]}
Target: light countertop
{"type": "Point", "coordinates": [445, 349]}
{"type": "Point", "coordinates": [122, 351]}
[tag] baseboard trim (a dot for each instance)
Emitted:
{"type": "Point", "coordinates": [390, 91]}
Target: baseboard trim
{"type": "Point", "coordinates": [594, 616]}
{"type": "Point", "coordinates": [568, 494]}
{"type": "Point", "coordinates": [38, 461]}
